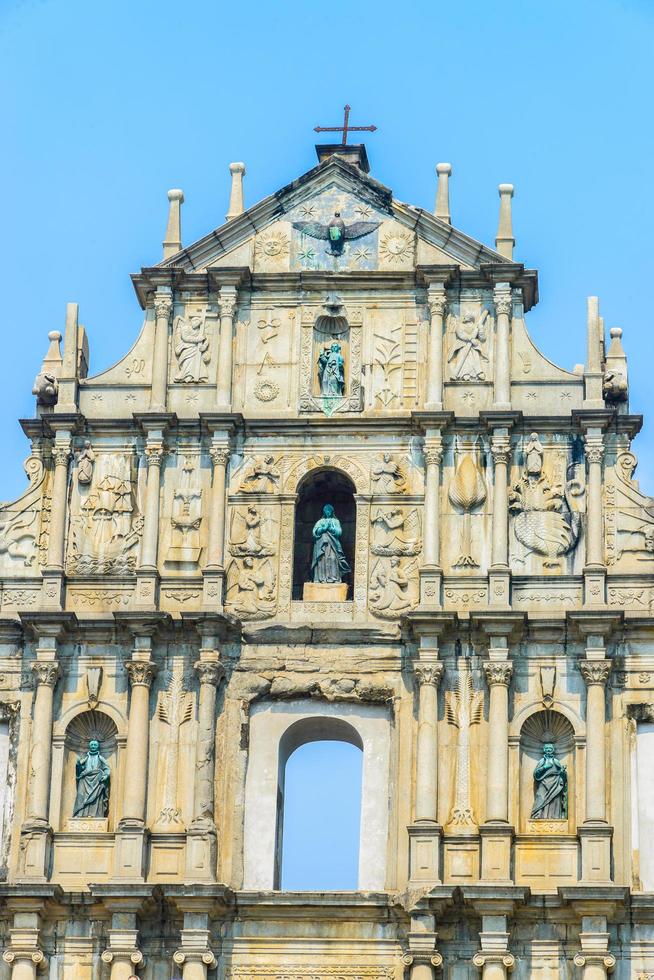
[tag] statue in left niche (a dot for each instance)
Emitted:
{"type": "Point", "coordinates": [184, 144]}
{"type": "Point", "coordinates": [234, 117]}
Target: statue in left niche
{"type": "Point", "coordinates": [331, 371]}
{"type": "Point", "coordinates": [328, 561]}
{"type": "Point", "coordinates": [191, 346]}
{"type": "Point", "coordinates": [92, 775]}
{"type": "Point", "coordinates": [551, 782]}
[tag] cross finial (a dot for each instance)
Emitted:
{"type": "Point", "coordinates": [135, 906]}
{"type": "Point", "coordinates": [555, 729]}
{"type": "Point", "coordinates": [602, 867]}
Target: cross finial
{"type": "Point", "coordinates": [345, 128]}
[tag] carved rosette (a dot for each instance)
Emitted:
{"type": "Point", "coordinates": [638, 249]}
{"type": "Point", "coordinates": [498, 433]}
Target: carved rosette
{"type": "Point", "coordinates": [498, 672]}
{"type": "Point", "coordinates": [141, 672]}
{"type": "Point", "coordinates": [429, 674]}
{"type": "Point", "coordinates": [209, 672]}
{"type": "Point", "coordinates": [45, 672]}
{"type": "Point", "coordinates": [595, 671]}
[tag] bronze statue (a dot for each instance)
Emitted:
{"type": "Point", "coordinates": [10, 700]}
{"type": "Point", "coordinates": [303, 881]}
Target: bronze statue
{"type": "Point", "coordinates": [331, 371]}
{"type": "Point", "coordinates": [551, 779]}
{"type": "Point", "coordinates": [328, 561]}
{"type": "Point", "coordinates": [92, 774]}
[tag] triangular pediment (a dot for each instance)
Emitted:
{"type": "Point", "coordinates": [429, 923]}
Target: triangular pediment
{"type": "Point", "coordinates": [335, 218]}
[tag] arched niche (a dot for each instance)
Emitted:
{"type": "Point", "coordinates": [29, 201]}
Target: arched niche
{"type": "Point", "coordinates": [331, 337]}
{"type": "Point", "coordinates": [276, 730]}
{"type": "Point", "coordinates": [87, 725]}
{"type": "Point", "coordinates": [542, 727]}
{"type": "Point", "coordinates": [319, 487]}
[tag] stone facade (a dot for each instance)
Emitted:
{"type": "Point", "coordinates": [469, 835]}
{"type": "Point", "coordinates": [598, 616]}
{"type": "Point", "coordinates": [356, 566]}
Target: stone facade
{"type": "Point", "coordinates": [499, 601]}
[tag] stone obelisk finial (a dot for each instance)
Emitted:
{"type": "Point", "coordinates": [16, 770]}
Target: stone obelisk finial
{"type": "Point", "coordinates": [505, 241]}
{"type": "Point", "coordinates": [442, 209]}
{"type": "Point", "coordinates": [173, 240]}
{"type": "Point", "coordinates": [237, 170]}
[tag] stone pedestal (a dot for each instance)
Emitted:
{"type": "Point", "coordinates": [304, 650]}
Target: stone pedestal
{"type": "Point", "coordinates": [595, 842]}
{"type": "Point", "coordinates": [324, 592]}
{"type": "Point", "coordinates": [425, 852]}
{"type": "Point", "coordinates": [496, 844]}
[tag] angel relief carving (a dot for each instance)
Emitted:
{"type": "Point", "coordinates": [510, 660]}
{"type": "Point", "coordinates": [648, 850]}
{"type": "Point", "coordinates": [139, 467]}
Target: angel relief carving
{"type": "Point", "coordinates": [106, 531]}
{"type": "Point", "coordinates": [192, 348]}
{"type": "Point", "coordinates": [468, 358]}
{"type": "Point", "coordinates": [251, 580]}
{"type": "Point", "coordinates": [396, 531]}
{"type": "Point", "coordinates": [393, 586]}
{"type": "Point", "coordinates": [387, 475]}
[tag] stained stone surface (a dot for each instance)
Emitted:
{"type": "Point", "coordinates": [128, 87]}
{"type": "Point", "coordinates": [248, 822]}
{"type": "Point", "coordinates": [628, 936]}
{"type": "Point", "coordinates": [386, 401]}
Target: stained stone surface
{"type": "Point", "coordinates": [155, 596]}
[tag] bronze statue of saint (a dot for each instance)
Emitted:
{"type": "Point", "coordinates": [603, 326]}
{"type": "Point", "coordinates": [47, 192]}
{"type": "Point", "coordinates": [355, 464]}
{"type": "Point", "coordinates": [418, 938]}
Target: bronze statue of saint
{"type": "Point", "coordinates": [92, 774]}
{"type": "Point", "coordinates": [328, 561]}
{"type": "Point", "coordinates": [551, 779]}
{"type": "Point", "coordinates": [331, 371]}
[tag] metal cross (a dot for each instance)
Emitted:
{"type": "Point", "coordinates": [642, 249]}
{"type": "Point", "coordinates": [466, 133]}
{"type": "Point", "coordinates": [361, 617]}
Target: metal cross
{"type": "Point", "coordinates": [345, 128]}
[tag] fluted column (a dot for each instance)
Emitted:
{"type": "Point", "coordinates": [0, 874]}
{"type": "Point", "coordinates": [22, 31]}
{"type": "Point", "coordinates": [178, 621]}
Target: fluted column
{"type": "Point", "coordinates": [437, 305]}
{"type": "Point", "coordinates": [61, 456]}
{"type": "Point", "coordinates": [498, 676]}
{"type": "Point", "coordinates": [426, 795]}
{"type": "Point", "coordinates": [214, 569]}
{"type": "Point", "coordinates": [227, 302]}
{"type": "Point", "coordinates": [501, 451]}
{"type": "Point", "coordinates": [502, 396]}
{"type": "Point", "coordinates": [210, 674]}
{"type": "Point", "coordinates": [163, 306]}
{"type": "Point", "coordinates": [595, 673]}
{"type": "Point", "coordinates": [146, 573]}
{"type": "Point", "coordinates": [594, 542]}
{"type": "Point", "coordinates": [45, 677]}
{"type": "Point", "coordinates": [141, 674]}
{"type": "Point", "coordinates": [430, 573]}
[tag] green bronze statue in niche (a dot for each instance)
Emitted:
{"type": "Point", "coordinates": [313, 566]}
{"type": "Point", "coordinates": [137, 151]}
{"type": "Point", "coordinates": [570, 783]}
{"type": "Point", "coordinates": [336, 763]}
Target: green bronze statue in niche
{"type": "Point", "coordinates": [328, 561]}
{"type": "Point", "coordinates": [92, 775]}
{"type": "Point", "coordinates": [331, 371]}
{"type": "Point", "coordinates": [551, 781]}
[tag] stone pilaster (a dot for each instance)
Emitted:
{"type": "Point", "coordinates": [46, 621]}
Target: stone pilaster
{"type": "Point", "coordinates": [503, 304]}
{"type": "Point", "coordinates": [147, 574]}
{"type": "Point", "coordinates": [227, 301]}
{"type": "Point", "coordinates": [123, 953]}
{"type": "Point", "coordinates": [437, 302]}
{"type": "Point", "coordinates": [214, 570]}
{"type": "Point", "coordinates": [202, 836]}
{"type": "Point", "coordinates": [425, 833]}
{"type": "Point", "coordinates": [595, 833]}
{"type": "Point", "coordinates": [36, 832]}
{"type": "Point", "coordinates": [431, 575]}
{"type": "Point", "coordinates": [163, 307]}
{"type": "Point", "coordinates": [130, 839]}
{"type": "Point", "coordinates": [594, 959]}
{"type": "Point", "coordinates": [496, 833]}
{"type": "Point", "coordinates": [423, 957]}
{"type": "Point", "coordinates": [594, 569]}
{"type": "Point", "coordinates": [194, 954]}
{"type": "Point", "coordinates": [499, 575]}
{"type": "Point", "coordinates": [24, 954]}
{"type": "Point", "coordinates": [53, 573]}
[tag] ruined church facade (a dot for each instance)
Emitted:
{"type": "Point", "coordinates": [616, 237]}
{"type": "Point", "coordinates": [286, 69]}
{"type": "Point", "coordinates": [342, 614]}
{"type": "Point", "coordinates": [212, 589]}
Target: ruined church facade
{"type": "Point", "coordinates": [171, 630]}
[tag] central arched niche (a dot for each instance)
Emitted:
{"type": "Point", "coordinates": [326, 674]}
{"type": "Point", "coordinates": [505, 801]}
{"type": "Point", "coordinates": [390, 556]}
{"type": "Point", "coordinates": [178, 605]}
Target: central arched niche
{"type": "Point", "coordinates": [85, 726]}
{"type": "Point", "coordinates": [543, 726]}
{"type": "Point", "coordinates": [320, 487]}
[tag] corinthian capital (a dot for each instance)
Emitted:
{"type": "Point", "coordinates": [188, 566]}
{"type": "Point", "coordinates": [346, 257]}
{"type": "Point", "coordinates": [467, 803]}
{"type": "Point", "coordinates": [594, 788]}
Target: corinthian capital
{"type": "Point", "coordinates": [154, 453]}
{"type": "Point", "coordinates": [433, 452]}
{"type": "Point", "coordinates": [141, 672]}
{"type": "Point", "coordinates": [502, 302]}
{"type": "Point", "coordinates": [595, 671]}
{"type": "Point", "coordinates": [60, 455]}
{"type": "Point", "coordinates": [227, 301]}
{"type": "Point", "coordinates": [498, 672]}
{"type": "Point", "coordinates": [163, 305]}
{"type": "Point", "coordinates": [594, 448]}
{"type": "Point", "coordinates": [209, 672]}
{"type": "Point", "coordinates": [437, 302]}
{"type": "Point", "coordinates": [429, 674]}
{"type": "Point", "coordinates": [45, 672]}
{"type": "Point", "coordinates": [219, 455]}
{"type": "Point", "coordinates": [501, 450]}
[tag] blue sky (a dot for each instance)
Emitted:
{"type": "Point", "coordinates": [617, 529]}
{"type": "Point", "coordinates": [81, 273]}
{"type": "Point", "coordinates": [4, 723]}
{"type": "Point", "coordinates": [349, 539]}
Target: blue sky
{"type": "Point", "coordinates": [106, 106]}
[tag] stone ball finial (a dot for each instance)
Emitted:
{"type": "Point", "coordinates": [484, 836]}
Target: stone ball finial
{"type": "Point", "coordinates": [443, 168]}
{"type": "Point", "coordinates": [176, 195]}
{"type": "Point", "coordinates": [54, 335]}
{"type": "Point", "coordinates": [616, 332]}
{"type": "Point", "coordinates": [506, 189]}
{"type": "Point", "coordinates": [237, 168]}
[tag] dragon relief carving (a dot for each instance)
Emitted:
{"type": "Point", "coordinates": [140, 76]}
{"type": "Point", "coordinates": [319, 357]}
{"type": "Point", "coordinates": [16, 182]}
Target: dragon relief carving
{"type": "Point", "coordinates": [546, 519]}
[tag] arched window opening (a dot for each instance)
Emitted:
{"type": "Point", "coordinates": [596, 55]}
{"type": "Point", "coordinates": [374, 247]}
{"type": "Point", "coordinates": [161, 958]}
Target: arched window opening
{"type": "Point", "coordinates": [315, 491]}
{"type": "Point", "coordinates": [319, 807]}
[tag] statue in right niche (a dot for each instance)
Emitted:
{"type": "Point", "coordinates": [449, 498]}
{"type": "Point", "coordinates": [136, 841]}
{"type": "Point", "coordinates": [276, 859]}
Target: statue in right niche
{"type": "Point", "coordinates": [551, 786]}
{"type": "Point", "coordinates": [328, 561]}
{"type": "Point", "coordinates": [331, 371]}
